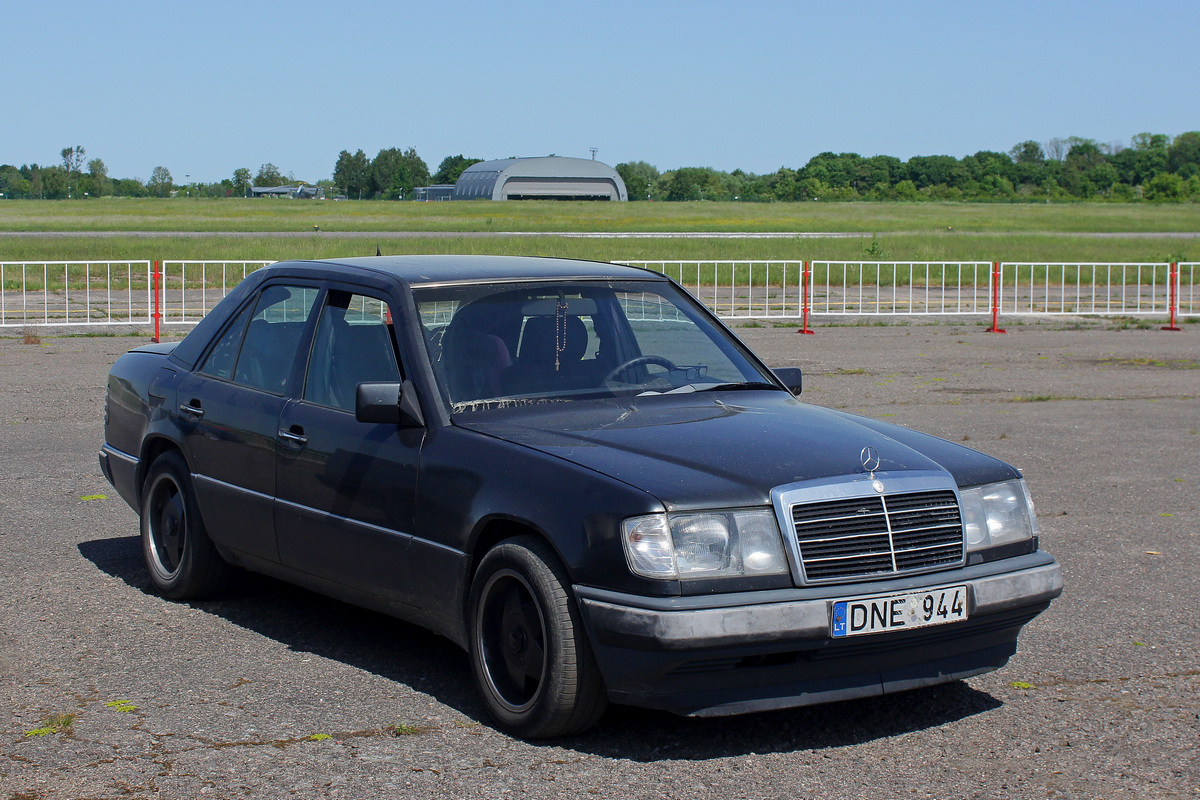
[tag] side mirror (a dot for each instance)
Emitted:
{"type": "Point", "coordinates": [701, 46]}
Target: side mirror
{"type": "Point", "coordinates": [390, 403]}
{"type": "Point", "coordinates": [791, 377]}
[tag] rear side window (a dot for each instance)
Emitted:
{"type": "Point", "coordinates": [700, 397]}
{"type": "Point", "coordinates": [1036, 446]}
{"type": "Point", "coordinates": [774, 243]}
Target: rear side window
{"type": "Point", "coordinates": [258, 349]}
{"type": "Point", "coordinates": [272, 337]}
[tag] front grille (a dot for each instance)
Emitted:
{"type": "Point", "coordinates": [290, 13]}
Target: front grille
{"type": "Point", "coordinates": [862, 538]}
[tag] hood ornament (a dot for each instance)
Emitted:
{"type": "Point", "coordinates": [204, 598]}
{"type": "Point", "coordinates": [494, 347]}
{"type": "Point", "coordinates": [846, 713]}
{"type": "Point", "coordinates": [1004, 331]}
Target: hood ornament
{"type": "Point", "coordinates": [870, 459]}
{"type": "Point", "coordinates": [870, 462]}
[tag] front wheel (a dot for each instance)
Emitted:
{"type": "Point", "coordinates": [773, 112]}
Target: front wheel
{"type": "Point", "coordinates": [182, 560]}
{"type": "Point", "coordinates": [530, 655]}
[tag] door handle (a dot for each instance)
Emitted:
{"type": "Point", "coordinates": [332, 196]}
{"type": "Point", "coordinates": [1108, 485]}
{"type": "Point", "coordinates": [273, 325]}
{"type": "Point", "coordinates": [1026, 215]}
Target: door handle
{"type": "Point", "coordinates": [192, 409]}
{"type": "Point", "coordinates": [294, 438]}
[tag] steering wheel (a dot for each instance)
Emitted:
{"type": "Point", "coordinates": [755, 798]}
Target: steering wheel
{"type": "Point", "coordinates": [637, 362]}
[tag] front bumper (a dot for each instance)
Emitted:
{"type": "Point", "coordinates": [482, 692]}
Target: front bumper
{"type": "Point", "coordinates": [752, 651]}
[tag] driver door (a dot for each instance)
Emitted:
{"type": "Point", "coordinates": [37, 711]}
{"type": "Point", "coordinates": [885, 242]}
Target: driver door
{"type": "Point", "coordinates": [346, 489]}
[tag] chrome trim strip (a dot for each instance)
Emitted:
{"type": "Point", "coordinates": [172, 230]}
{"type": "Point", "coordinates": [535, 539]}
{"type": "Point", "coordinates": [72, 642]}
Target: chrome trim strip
{"type": "Point", "coordinates": [891, 536]}
{"type": "Point", "coordinates": [121, 454]}
{"type": "Point", "coordinates": [440, 546]}
{"type": "Point", "coordinates": [546, 279]}
{"type": "Point", "coordinates": [198, 477]}
{"type": "Point", "coordinates": [338, 517]}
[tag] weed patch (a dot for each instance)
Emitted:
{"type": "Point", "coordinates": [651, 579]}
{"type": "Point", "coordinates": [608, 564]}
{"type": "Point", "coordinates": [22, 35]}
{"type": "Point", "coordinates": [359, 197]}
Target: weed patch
{"type": "Point", "coordinates": [55, 723]}
{"type": "Point", "coordinates": [122, 706]}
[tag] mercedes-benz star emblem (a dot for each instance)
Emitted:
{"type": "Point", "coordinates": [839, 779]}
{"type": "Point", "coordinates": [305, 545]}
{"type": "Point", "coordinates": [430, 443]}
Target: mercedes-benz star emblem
{"type": "Point", "coordinates": [870, 459]}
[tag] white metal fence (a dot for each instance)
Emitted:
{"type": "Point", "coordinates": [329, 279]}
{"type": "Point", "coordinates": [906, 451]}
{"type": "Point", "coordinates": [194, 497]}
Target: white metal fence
{"type": "Point", "coordinates": [739, 289]}
{"type": "Point", "coordinates": [92, 293]}
{"type": "Point", "coordinates": [892, 288]}
{"type": "Point", "coordinates": [792, 289]}
{"type": "Point", "coordinates": [177, 292]}
{"type": "Point", "coordinates": [45, 293]}
{"type": "Point", "coordinates": [1136, 289]}
{"type": "Point", "coordinates": [1187, 296]}
{"type": "Point", "coordinates": [190, 289]}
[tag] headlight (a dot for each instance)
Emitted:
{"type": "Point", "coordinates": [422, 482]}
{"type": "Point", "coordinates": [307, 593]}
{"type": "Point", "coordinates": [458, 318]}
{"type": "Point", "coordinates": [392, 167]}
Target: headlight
{"type": "Point", "coordinates": [997, 513]}
{"type": "Point", "coordinates": [710, 545]}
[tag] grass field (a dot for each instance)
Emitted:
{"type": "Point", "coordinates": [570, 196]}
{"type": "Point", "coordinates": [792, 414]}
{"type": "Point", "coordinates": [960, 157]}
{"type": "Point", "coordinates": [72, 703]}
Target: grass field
{"type": "Point", "coordinates": [277, 229]}
{"type": "Point", "coordinates": [125, 214]}
{"type": "Point", "coordinates": [901, 247]}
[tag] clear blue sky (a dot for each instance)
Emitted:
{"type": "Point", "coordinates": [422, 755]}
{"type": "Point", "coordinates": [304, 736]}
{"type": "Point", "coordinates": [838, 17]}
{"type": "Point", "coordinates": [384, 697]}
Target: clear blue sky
{"type": "Point", "coordinates": [203, 88]}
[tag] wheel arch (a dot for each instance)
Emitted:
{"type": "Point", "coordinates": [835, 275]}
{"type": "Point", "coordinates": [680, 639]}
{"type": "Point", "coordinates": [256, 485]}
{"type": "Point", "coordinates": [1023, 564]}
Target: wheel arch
{"type": "Point", "coordinates": [493, 531]}
{"type": "Point", "coordinates": [153, 447]}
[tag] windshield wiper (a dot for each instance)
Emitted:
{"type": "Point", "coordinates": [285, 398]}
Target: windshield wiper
{"type": "Point", "coordinates": [707, 388]}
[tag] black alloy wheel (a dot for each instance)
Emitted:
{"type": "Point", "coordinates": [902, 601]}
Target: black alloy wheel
{"type": "Point", "coordinates": [532, 661]}
{"type": "Point", "coordinates": [182, 561]}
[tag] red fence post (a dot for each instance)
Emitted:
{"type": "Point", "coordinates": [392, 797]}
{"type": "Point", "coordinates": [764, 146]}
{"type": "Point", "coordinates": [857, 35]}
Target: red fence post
{"type": "Point", "coordinates": [157, 310]}
{"type": "Point", "coordinates": [996, 299]}
{"type": "Point", "coordinates": [1173, 295]}
{"type": "Point", "coordinates": [805, 281]}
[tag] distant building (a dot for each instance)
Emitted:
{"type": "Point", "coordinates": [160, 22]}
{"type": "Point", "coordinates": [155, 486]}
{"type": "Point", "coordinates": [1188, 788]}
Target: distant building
{"type": "Point", "coordinates": [545, 178]}
{"type": "Point", "coordinates": [301, 192]}
{"type": "Point", "coordinates": [440, 191]}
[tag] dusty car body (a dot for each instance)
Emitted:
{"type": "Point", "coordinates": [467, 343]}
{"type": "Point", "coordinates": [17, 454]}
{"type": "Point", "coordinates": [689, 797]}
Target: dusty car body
{"type": "Point", "coordinates": [575, 472]}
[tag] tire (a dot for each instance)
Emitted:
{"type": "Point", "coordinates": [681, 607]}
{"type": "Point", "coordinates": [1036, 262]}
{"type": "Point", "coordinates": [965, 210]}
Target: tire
{"type": "Point", "coordinates": [531, 657]}
{"type": "Point", "coordinates": [181, 559]}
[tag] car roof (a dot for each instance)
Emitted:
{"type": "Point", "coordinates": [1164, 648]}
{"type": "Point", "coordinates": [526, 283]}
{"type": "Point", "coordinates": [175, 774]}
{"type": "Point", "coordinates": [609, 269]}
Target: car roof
{"type": "Point", "coordinates": [421, 270]}
{"type": "Point", "coordinates": [429, 269]}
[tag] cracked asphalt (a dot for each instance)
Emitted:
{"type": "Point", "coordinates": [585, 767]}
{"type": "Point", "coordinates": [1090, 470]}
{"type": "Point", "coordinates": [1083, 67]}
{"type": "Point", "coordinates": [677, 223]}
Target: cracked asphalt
{"type": "Point", "coordinates": [109, 691]}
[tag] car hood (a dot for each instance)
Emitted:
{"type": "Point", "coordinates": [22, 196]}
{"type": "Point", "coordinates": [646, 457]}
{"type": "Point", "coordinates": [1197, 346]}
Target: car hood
{"type": "Point", "coordinates": [724, 449]}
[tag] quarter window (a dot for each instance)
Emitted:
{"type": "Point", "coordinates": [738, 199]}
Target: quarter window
{"type": "Point", "coordinates": [222, 357]}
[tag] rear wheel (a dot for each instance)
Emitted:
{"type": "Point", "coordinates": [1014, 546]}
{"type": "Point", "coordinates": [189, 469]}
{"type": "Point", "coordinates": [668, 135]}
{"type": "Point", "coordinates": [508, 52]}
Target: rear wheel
{"type": "Point", "coordinates": [530, 654]}
{"type": "Point", "coordinates": [182, 560]}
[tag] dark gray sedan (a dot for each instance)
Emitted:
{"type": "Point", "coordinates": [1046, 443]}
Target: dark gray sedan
{"type": "Point", "coordinates": [578, 474]}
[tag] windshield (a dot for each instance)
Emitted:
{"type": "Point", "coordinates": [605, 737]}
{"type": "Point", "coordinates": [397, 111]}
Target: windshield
{"type": "Point", "coordinates": [576, 339]}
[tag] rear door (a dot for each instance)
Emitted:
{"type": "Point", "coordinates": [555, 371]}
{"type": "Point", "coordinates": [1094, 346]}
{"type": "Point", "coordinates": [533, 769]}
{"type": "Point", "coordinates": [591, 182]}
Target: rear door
{"type": "Point", "coordinates": [346, 488]}
{"type": "Point", "coordinates": [229, 411]}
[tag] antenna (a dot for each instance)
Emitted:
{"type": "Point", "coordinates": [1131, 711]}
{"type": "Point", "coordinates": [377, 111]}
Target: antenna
{"type": "Point", "coordinates": [593, 149]}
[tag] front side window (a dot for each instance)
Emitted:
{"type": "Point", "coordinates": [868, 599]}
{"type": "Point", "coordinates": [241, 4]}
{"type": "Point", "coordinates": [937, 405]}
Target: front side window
{"type": "Point", "coordinates": [352, 345]}
{"type": "Point", "coordinates": [573, 340]}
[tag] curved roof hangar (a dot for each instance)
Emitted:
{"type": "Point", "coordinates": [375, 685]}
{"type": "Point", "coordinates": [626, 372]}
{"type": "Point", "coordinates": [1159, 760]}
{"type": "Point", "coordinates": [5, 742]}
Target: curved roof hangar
{"type": "Point", "coordinates": [544, 178]}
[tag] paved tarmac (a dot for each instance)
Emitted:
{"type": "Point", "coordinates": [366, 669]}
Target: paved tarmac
{"type": "Point", "coordinates": [274, 692]}
{"type": "Point", "coordinates": [335, 234]}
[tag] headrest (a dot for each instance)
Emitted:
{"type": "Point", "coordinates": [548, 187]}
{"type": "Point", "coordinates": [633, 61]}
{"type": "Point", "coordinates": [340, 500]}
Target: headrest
{"type": "Point", "coordinates": [541, 339]}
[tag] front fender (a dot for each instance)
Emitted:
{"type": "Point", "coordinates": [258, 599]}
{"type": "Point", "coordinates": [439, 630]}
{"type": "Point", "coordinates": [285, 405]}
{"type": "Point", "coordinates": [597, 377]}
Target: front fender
{"type": "Point", "coordinates": [474, 490]}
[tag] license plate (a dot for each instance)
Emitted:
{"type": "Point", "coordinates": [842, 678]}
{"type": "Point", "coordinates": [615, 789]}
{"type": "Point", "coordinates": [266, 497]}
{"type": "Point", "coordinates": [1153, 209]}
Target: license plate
{"type": "Point", "coordinates": [898, 612]}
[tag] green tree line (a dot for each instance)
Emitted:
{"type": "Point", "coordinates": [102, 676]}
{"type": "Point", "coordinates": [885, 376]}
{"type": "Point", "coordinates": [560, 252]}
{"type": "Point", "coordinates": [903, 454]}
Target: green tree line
{"type": "Point", "coordinates": [1153, 167]}
{"type": "Point", "coordinates": [392, 175]}
{"type": "Point", "coordinates": [70, 180]}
